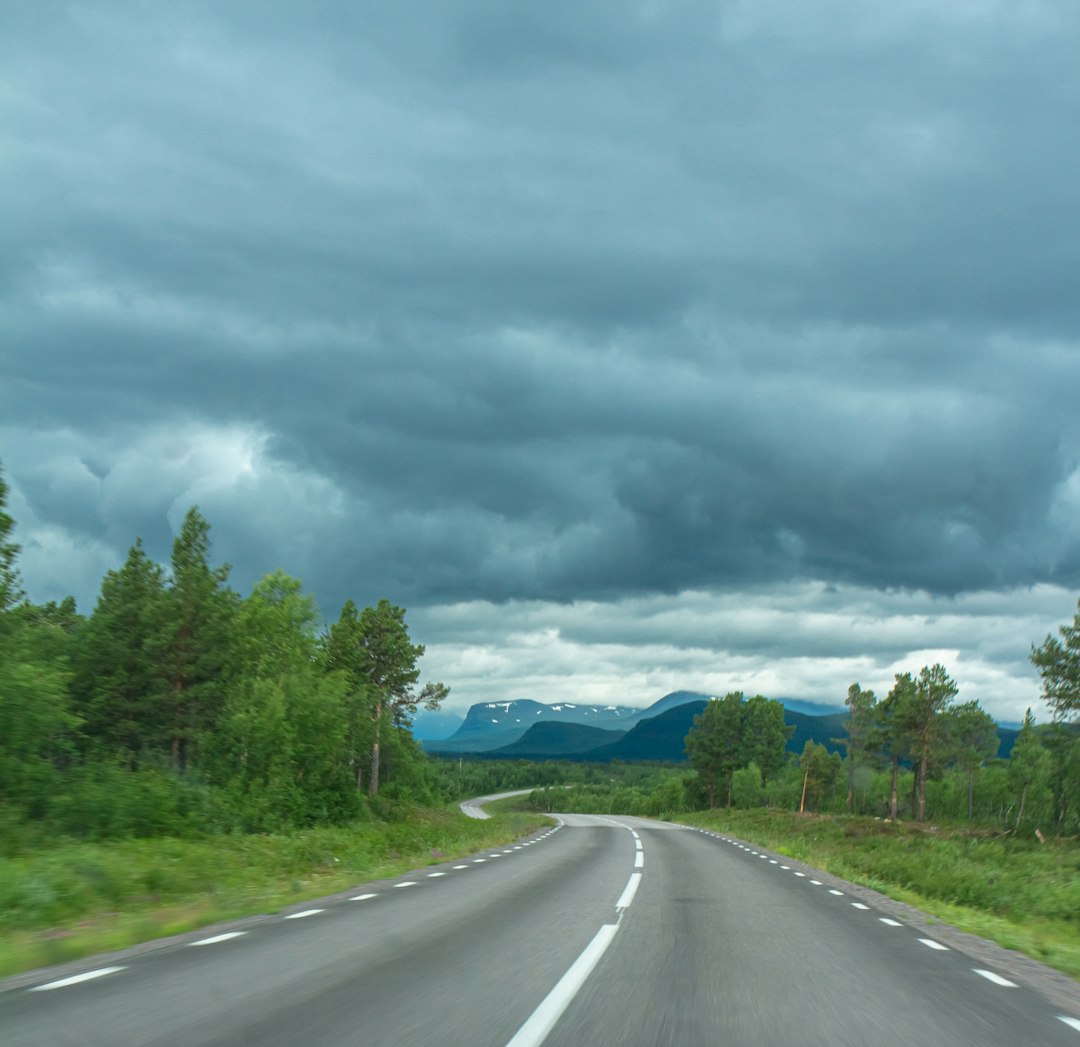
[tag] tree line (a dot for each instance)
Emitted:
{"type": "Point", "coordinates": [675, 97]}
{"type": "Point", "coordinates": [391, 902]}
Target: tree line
{"type": "Point", "coordinates": [177, 700]}
{"type": "Point", "coordinates": [918, 735]}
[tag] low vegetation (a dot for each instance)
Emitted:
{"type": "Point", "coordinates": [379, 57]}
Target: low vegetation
{"type": "Point", "coordinates": [76, 898]}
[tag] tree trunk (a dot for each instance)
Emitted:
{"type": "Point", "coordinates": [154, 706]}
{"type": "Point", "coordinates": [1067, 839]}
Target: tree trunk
{"type": "Point", "coordinates": [922, 783]}
{"type": "Point", "coordinates": [1023, 800]}
{"type": "Point", "coordinates": [971, 795]}
{"type": "Point", "coordinates": [373, 784]}
{"type": "Point", "coordinates": [892, 788]}
{"type": "Point", "coordinates": [802, 802]}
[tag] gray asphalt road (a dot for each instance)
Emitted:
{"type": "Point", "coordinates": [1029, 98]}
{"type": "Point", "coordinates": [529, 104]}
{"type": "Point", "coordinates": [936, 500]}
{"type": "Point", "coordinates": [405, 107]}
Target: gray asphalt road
{"type": "Point", "coordinates": [603, 931]}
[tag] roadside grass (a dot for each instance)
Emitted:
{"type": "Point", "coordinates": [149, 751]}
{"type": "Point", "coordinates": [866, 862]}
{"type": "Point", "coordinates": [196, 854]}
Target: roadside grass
{"type": "Point", "coordinates": [1019, 893]}
{"type": "Point", "coordinates": [74, 899]}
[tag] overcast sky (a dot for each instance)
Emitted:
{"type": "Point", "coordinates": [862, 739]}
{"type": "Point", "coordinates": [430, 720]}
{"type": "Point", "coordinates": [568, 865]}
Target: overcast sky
{"type": "Point", "coordinates": [630, 346]}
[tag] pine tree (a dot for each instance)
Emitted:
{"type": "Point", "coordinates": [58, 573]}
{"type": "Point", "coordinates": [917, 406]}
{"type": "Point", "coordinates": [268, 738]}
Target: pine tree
{"type": "Point", "coordinates": [972, 739]}
{"type": "Point", "coordinates": [199, 613]}
{"type": "Point", "coordinates": [934, 692]}
{"type": "Point", "coordinates": [120, 682]}
{"type": "Point", "coordinates": [379, 660]}
{"type": "Point", "coordinates": [859, 728]}
{"type": "Point", "coordinates": [891, 730]}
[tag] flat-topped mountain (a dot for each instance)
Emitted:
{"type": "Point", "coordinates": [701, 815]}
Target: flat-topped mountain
{"type": "Point", "coordinates": [491, 725]}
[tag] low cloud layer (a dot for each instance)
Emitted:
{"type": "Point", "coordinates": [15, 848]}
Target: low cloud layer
{"type": "Point", "coordinates": [627, 307]}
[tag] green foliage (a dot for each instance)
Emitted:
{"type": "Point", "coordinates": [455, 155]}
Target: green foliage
{"type": "Point", "coordinates": [10, 587]}
{"type": "Point", "coordinates": [1058, 662]}
{"type": "Point", "coordinates": [639, 788]}
{"type": "Point", "coordinates": [1030, 768]}
{"type": "Point", "coordinates": [112, 895]}
{"type": "Point", "coordinates": [730, 733]}
{"type": "Point", "coordinates": [746, 789]}
{"type": "Point", "coordinates": [120, 687]}
{"type": "Point", "coordinates": [36, 726]}
{"type": "Point", "coordinates": [373, 652]}
{"type": "Point", "coordinates": [198, 621]}
{"type": "Point", "coordinates": [279, 750]}
{"type": "Point", "coordinates": [972, 739]}
{"type": "Point", "coordinates": [820, 771]}
{"type": "Point", "coordinates": [859, 727]}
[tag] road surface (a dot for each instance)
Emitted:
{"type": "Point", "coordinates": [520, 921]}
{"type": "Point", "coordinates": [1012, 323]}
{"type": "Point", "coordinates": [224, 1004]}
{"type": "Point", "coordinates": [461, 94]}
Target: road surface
{"type": "Point", "coordinates": [598, 931]}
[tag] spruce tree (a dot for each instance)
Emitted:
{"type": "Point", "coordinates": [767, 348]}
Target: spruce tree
{"type": "Point", "coordinates": [199, 613]}
{"type": "Point", "coordinates": [119, 687]}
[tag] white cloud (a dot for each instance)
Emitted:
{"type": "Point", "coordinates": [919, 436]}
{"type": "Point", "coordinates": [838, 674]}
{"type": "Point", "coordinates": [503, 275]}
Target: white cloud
{"type": "Point", "coordinates": [807, 641]}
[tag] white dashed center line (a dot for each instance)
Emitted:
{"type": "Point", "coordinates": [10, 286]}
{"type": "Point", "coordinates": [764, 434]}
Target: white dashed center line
{"type": "Point", "coordinates": [219, 938]}
{"type": "Point", "coordinates": [76, 978]}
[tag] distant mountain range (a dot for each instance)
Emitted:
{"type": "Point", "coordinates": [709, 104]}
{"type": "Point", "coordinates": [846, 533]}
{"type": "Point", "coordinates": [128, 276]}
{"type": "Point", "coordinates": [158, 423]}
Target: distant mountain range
{"type": "Point", "coordinates": [493, 725]}
{"type": "Point", "coordinates": [526, 730]}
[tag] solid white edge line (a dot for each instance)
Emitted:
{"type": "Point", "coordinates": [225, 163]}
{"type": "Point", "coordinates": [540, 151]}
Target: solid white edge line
{"type": "Point", "coordinates": [75, 979]}
{"type": "Point", "coordinates": [995, 978]}
{"type": "Point", "coordinates": [219, 938]}
{"type": "Point", "coordinates": [543, 1019]}
{"type": "Point", "coordinates": [301, 915]}
{"type": "Point", "coordinates": [1073, 1023]}
{"type": "Point", "coordinates": [627, 895]}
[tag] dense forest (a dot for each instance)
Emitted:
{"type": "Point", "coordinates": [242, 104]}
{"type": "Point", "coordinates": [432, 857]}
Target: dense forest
{"type": "Point", "coordinates": [179, 705]}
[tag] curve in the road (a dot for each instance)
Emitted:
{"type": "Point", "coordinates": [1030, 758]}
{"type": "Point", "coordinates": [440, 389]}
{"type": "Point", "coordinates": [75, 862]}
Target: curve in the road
{"type": "Point", "coordinates": [561, 944]}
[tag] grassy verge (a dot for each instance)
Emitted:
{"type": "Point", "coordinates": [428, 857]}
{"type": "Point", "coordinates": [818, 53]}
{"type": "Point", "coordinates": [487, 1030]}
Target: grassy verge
{"type": "Point", "coordinates": [1018, 893]}
{"type": "Point", "coordinates": [76, 899]}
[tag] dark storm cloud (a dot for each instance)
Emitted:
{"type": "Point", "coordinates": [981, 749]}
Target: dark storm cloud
{"type": "Point", "coordinates": [549, 302]}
